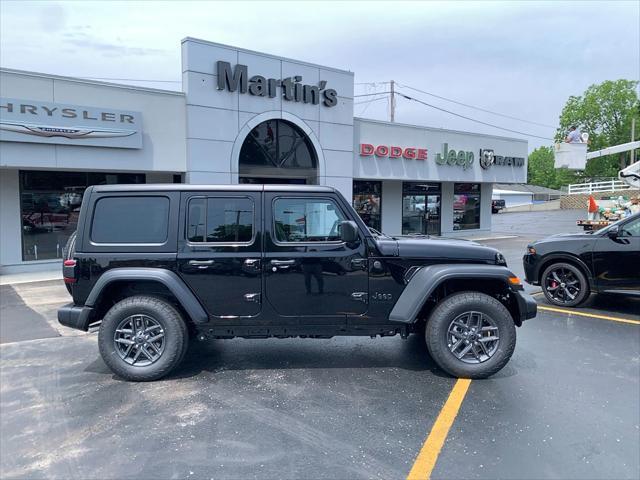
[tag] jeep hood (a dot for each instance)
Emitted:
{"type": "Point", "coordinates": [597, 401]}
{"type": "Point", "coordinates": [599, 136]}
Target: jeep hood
{"type": "Point", "coordinates": [455, 249]}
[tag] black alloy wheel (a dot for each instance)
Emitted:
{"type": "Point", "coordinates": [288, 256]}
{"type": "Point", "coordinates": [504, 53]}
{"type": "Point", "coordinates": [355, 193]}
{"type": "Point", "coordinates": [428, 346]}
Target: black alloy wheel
{"type": "Point", "coordinates": [564, 285]}
{"type": "Point", "coordinates": [139, 340]}
{"type": "Point", "coordinates": [473, 337]}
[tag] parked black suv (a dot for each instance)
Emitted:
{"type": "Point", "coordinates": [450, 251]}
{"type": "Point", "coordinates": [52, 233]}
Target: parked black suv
{"type": "Point", "coordinates": [570, 266]}
{"type": "Point", "coordinates": [156, 264]}
{"type": "Point", "coordinates": [498, 205]}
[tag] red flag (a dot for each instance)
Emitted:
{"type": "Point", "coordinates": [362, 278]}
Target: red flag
{"type": "Point", "coordinates": [593, 207]}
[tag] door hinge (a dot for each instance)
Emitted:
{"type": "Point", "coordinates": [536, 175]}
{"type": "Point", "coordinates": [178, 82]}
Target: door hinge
{"type": "Point", "coordinates": [360, 296]}
{"type": "Point", "coordinates": [252, 297]}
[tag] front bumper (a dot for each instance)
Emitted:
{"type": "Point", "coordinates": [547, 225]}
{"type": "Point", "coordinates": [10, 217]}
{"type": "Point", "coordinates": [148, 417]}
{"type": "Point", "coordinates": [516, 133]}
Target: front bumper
{"type": "Point", "coordinates": [74, 316]}
{"type": "Point", "coordinates": [529, 262]}
{"type": "Point", "coordinates": [527, 306]}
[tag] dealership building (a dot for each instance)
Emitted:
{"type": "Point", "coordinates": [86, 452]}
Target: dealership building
{"type": "Point", "coordinates": [242, 117]}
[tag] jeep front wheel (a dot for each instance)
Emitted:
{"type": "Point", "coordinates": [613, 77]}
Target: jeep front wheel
{"type": "Point", "coordinates": [142, 338]}
{"type": "Point", "coordinates": [470, 335]}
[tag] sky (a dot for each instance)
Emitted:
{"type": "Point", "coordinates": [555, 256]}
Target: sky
{"type": "Point", "coordinates": [521, 59]}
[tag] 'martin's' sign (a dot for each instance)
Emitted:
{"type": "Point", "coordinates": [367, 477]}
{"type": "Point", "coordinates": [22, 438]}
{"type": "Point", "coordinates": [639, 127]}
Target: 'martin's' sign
{"type": "Point", "coordinates": [410, 153]}
{"type": "Point", "coordinates": [291, 87]}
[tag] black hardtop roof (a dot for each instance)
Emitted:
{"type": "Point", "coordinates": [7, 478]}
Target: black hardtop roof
{"type": "Point", "coordinates": [183, 187]}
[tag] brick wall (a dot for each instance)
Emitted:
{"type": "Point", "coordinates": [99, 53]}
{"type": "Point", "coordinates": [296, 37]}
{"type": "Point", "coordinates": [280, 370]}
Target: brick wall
{"type": "Point", "coordinates": [582, 200]}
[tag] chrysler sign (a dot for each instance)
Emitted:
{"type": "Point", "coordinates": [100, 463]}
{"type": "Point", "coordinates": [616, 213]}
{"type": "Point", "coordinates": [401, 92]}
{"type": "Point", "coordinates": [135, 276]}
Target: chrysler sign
{"type": "Point", "coordinates": [41, 122]}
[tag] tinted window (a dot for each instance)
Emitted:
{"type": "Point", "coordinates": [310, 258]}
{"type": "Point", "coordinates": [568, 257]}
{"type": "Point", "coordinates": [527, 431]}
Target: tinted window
{"type": "Point", "coordinates": [130, 220]}
{"type": "Point", "coordinates": [222, 220]}
{"type": "Point", "coordinates": [306, 220]}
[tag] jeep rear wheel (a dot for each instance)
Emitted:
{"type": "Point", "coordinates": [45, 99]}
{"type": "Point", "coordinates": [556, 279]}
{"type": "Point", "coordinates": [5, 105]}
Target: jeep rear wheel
{"type": "Point", "coordinates": [142, 338]}
{"type": "Point", "coordinates": [470, 335]}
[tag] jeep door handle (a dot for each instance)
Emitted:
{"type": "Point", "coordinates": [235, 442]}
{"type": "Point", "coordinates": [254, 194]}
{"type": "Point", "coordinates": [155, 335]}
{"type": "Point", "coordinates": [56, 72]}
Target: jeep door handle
{"type": "Point", "coordinates": [282, 263]}
{"type": "Point", "coordinates": [201, 264]}
{"type": "Point", "coordinates": [252, 262]}
{"type": "Point", "coordinates": [359, 263]}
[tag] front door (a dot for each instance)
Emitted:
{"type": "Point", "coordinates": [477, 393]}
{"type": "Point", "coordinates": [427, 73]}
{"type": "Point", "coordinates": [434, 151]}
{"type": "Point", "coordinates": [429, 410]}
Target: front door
{"type": "Point", "coordinates": [219, 256]}
{"type": "Point", "coordinates": [421, 214]}
{"type": "Point", "coordinates": [616, 261]}
{"type": "Point", "coordinates": [310, 274]}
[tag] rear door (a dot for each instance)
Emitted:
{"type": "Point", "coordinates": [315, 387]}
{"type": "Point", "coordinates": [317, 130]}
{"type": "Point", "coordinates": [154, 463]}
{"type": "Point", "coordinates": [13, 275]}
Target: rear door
{"type": "Point", "coordinates": [310, 274]}
{"type": "Point", "coordinates": [219, 254]}
{"type": "Point", "coordinates": [616, 261]}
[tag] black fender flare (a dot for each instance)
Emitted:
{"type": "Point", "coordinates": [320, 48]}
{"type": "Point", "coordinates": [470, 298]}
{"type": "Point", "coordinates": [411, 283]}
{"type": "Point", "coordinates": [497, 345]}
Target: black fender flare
{"type": "Point", "coordinates": [169, 279]}
{"type": "Point", "coordinates": [427, 278]}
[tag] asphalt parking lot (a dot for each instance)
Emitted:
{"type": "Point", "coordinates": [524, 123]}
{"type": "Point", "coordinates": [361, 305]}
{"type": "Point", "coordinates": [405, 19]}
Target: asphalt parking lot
{"type": "Point", "coordinates": [566, 406]}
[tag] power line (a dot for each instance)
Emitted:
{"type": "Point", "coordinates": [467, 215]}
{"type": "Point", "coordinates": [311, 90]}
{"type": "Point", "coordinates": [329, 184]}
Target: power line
{"type": "Point", "coordinates": [369, 101]}
{"type": "Point", "coordinates": [477, 108]}
{"type": "Point", "coordinates": [132, 79]}
{"type": "Point", "coordinates": [371, 94]}
{"type": "Point", "coordinates": [472, 119]}
{"type": "Point", "coordinates": [371, 83]}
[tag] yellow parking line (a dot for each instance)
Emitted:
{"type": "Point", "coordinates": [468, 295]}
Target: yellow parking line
{"type": "Point", "coordinates": [590, 315]}
{"type": "Point", "coordinates": [428, 456]}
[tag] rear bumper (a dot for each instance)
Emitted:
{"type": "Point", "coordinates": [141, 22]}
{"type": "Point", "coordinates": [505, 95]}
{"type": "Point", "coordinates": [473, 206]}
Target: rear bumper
{"type": "Point", "coordinates": [527, 305]}
{"type": "Point", "coordinates": [74, 316]}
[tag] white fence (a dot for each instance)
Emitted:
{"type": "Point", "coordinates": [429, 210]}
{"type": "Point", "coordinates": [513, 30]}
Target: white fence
{"type": "Point", "coordinates": [608, 186]}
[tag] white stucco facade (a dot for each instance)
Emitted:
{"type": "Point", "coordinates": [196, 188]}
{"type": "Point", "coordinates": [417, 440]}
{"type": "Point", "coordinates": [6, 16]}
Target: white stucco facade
{"type": "Point", "coordinates": [56, 128]}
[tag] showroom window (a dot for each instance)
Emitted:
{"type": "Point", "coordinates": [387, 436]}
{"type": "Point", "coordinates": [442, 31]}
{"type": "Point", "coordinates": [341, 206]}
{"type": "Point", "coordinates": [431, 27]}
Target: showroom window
{"type": "Point", "coordinates": [277, 151]}
{"type": "Point", "coordinates": [466, 206]}
{"type": "Point", "coordinates": [367, 201]}
{"type": "Point", "coordinates": [50, 205]}
{"type": "Point", "coordinates": [421, 208]}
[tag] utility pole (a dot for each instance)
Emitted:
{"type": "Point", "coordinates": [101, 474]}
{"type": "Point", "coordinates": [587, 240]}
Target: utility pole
{"type": "Point", "coordinates": [633, 139]}
{"type": "Point", "coordinates": [392, 102]}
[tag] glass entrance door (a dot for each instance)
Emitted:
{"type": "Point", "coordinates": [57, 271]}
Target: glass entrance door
{"type": "Point", "coordinates": [421, 209]}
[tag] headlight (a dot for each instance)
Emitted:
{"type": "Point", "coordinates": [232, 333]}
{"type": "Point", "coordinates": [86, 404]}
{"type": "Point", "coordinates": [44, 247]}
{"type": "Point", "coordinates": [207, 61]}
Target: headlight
{"type": "Point", "coordinates": [500, 260]}
{"type": "Point", "coordinates": [531, 250]}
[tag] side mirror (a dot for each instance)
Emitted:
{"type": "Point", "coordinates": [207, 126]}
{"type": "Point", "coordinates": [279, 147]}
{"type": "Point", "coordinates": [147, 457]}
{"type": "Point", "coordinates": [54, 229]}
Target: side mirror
{"type": "Point", "coordinates": [348, 231]}
{"type": "Point", "coordinates": [613, 232]}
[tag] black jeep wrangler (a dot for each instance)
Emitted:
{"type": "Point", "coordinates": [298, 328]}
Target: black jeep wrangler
{"type": "Point", "coordinates": [154, 265]}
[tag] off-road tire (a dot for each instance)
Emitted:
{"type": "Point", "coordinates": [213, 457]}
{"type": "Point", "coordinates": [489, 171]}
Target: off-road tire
{"type": "Point", "coordinates": [449, 309]}
{"type": "Point", "coordinates": [176, 337]}
{"type": "Point", "coordinates": [577, 273]}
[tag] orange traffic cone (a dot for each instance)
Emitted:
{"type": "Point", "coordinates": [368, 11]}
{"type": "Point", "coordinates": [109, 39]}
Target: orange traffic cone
{"type": "Point", "coordinates": [593, 208]}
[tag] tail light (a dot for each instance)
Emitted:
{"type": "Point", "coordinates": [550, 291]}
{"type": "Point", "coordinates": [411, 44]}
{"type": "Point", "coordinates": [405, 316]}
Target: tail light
{"type": "Point", "coordinates": [69, 271]}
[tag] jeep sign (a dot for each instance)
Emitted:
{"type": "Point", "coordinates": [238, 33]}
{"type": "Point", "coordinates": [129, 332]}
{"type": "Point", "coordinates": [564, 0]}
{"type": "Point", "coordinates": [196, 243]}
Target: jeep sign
{"type": "Point", "coordinates": [453, 158]}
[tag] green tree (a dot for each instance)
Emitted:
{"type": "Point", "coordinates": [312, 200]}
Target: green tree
{"type": "Point", "coordinates": [541, 170]}
{"type": "Point", "coordinates": [604, 111]}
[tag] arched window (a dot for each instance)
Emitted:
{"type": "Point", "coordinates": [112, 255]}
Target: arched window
{"type": "Point", "coordinates": [278, 149]}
